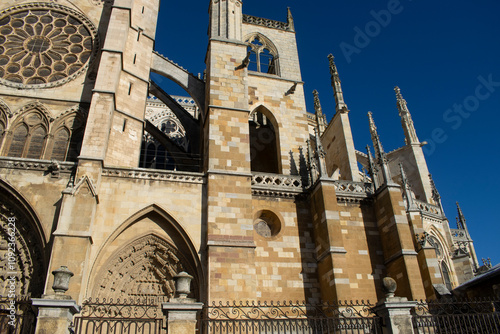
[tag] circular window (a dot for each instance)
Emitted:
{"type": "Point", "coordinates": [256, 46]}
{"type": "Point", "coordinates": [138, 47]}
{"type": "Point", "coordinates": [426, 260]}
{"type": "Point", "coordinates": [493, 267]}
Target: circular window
{"type": "Point", "coordinates": [44, 45]}
{"type": "Point", "coordinates": [267, 224]}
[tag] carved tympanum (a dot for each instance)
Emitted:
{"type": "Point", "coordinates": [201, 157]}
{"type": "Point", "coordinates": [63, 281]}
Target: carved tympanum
{"type": "Point", "coordinates": [144, 268]}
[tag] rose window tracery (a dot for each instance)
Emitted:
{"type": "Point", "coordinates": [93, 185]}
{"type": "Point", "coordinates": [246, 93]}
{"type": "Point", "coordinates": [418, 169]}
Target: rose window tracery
{"type": "Point", "coordinates": [44, 45]}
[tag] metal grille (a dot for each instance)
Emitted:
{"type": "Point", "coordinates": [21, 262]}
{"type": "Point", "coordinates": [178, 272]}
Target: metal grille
{"type": "Point", "coordinates": [142, 316]}
{"type": "Point", "coordinates": [290, 318]}
{"type": "Point", "coordinates": [457, 317]}
{"type": "Point", "coordinates": [18, 319]}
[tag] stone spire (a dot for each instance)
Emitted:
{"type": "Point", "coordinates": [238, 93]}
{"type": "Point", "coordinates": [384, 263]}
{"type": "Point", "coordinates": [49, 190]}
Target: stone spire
{"type": "Point", "coordinates": [373, 170]}
{"type": "Point", "coordinates": [289, 20]}
{"type": "Point", "coordinates": [321, 154]}
{"type": "Point", "coordinates": [435, 195]}
{"type": "Point", "coordinates": [406, 121]}
{"type": "Point", "coordinates": [461, 224]}
{"type": "Point", "coordinates": [340, 106]}
{"type": "Point", "coordinates": [379, 151]}
{"type": "Point", "coordinates": [320, 117]}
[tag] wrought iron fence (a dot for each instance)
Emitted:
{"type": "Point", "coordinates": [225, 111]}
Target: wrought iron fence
{"type": "Point", "coordinates": [290, 318]}
{"type": "Point", "coordinates": [17, 315]}
{"type": "Point", "coordinates": [457, 317]}
{"type": "Point", "coordinates": [141, 316]}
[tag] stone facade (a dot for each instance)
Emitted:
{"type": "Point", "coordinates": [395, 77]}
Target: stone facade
{"type": "Point", "coordinates": [239, 185]}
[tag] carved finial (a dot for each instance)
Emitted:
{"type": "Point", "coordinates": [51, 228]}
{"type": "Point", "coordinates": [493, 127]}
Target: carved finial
{"type": "Point", "coordinates": [340, 106]}
{"type": "Point", "coordinates": [389, 285]}
{"type": "Point", "coordinates": [291, 25]}
{"type": "Point", "coordinates": [379, 151]}
{"type": "Point", "coordinates": [435, 194]}
{"type": "Point", "coordinates": [461, 224]}
{"type": "Point", "coordinates": [61, 280]}
{"type": "Point", "coordinates": [320, 117]}
{"type": "Point", "coordinates": [373, 170]}
{"type": "Point", "coordinates": [406, 121]}
{"type": "Point", "coordinates": [321, 154]}
{"type": "Point", "coordinates": [377, 145]}
{"type": "Point", "coordinates": [183, 284]}
{"type": "Point", "coordinates": [407, 188]}
{"type": "Point", "coordinates": [313, 167]}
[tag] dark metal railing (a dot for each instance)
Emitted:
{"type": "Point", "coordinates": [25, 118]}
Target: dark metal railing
{"type": "Point", "coordinates": [457, 317]}
{"type": "Point", "coordinates": [17, 315]}
{"type": "Point", "coordinates": [141, 316]}
{"type": "Point", "coordinates": [290, 318]}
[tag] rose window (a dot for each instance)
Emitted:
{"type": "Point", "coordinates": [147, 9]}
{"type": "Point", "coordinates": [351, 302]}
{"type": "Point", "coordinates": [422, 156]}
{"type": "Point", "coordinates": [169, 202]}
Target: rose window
{"type": "Point", "coordinates": [43, 45]}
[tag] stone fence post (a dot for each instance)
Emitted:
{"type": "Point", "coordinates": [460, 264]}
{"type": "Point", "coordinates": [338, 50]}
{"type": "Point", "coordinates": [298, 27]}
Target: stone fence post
{"type": "Point", "coordinates": [55, 312]}
{"type": "Point", "coordinates": [182, 312]}
{"type": "Point", "coordinates": [395, 311]}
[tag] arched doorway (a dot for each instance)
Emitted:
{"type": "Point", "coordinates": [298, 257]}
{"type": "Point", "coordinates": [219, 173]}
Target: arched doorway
{"type": "Point", "coordinates": [22, 246]}
{"type": "Point", "coordinates": [142, 257]}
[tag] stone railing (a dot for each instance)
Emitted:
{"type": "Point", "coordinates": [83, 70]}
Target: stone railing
{"type": "Point", "coordinates": [266, 22]}
{"type": "Point", "coordinates": [458, 235]}
{"type": "Point", "coordinates": [426, 208]}
{"type": "Point", "coordinates": [153, 174]}
{"type": "Point", "coordinates": [353, 191]}
{"type": "Point", "coordinates": [267, 184]}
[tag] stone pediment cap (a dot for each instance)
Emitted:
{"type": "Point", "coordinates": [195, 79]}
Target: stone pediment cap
{"type": "Point", "coordinates": [85, 180]}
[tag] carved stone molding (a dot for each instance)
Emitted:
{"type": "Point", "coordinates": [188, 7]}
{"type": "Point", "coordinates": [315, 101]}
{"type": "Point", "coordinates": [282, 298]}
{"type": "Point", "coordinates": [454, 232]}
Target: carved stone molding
{"type": "Point", "coordinates": [148, 174]}
{"type": "Point", "coordinates": [20, 253]}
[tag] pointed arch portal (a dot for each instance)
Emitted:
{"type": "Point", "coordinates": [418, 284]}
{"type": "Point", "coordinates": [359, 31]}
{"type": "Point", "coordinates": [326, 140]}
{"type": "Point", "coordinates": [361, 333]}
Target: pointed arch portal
{"type": "Point", "coordinates": [145, 264]}
{"type": "Point", "coordinates": [144, 268]}
{"type": "Point", "coordinates": [22, 245]}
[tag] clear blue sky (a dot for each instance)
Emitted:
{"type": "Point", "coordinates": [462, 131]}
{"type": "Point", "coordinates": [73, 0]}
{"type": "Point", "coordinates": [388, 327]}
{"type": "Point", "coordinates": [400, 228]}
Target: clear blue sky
{"type": "Point", "coordinates": [444, 55]}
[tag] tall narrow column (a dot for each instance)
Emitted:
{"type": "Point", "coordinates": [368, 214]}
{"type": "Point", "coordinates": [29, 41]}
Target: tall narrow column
{"type": "Point", "coordinates": [229, 216]}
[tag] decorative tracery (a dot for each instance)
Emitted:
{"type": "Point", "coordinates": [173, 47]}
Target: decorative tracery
{"type": "Point", "coordinates": [34, 134]}
{"type": "Point", "coordinates": [28, 135]}
{"type": "Point", "coordinates": [263, 55]}
{"type": "Point", "coordinates": [153, 153]}
{"type": "Point", "coordinates": [44, 45]}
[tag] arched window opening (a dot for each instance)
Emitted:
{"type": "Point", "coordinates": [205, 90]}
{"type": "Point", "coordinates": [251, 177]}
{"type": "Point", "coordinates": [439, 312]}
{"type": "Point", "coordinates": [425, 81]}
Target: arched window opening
{"type": "Point", "coordinates": [68, 137]}
{"type": "Point", "coordinates": [446, 276]}
{"type": "Point", "coordinates": [3, 126]}
{"type": "Point", "coordinates": [18, 141]}
{"type": "Point", "coordinates": [263, 144]}
{"type": "Point", "coordinates": [263, 55]}
{"type": "Point", "coordinates": [61, 141]}
{"type": "Point", "coordinates": [36, 143]}
{"type": "Point", "coordinates": [27, 136]}
{"type": "Point", "coordinates": [437, 247]}
{"type": "Point", "coordinates": [154, 155]}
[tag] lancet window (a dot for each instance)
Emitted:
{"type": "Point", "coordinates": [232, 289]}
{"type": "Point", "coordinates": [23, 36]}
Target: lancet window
{"type": "Point", "coordinates": [33, 136]}
{"type": "Point", "coordinates": [67, 138]}
{"type": "Point", "coordinates": [29, 135]}
{"type": "Point", "coordinates": [263, 143]}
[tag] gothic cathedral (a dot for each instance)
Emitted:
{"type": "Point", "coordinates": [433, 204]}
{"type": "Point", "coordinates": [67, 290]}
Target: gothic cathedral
{"type": "Point", "coordinates": [238, 185]}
